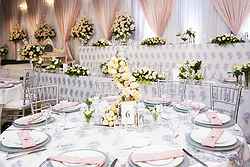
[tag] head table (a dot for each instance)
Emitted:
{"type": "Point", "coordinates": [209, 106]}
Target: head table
{"type": "Point", "coordinates": [72, 132]}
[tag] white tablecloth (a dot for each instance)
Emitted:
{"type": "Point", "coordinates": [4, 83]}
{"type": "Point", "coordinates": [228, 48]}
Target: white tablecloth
{"type": "Point", "coordinates": [218, 60]}
{"type": "Point", "coordinates": [118, 142]}
{"type": "Point", "coordinates": [11, 94]}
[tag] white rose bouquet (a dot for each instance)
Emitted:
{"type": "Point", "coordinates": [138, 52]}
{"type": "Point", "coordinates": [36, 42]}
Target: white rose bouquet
{"type": "Point", "coordinates": [123, 28]}
{"type": "Point", "coordinates": [77, 70]}
{"type": "Point", "coordinates": [146, 76]}
{"type": "Point", "coordinates": [191, 70]}
{"type": "Point", "coordinates": [3, 51]}
{"type": "Point", "coordinates": [54, 64]}
{"type": "Point", "coordinates": [225, 39]}
{"type": "Point", "coordinates": [32, 51]}
{"type": "Point", "coordinates": [153, 41]}
{"type": "Point", "coordinates": [83, 30]}
{"type": "Point", "coordinates": [44, 31]}
{"type": "Point", "coordinates": [102, 43]}
{"type": "Point", "coordinates": [17, 34]}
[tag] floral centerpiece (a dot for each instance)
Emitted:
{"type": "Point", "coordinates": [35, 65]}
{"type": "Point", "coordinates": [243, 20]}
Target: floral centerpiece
{"type": "Point", "coordinates": [146, 76]}
{"type": "Point", "coordinates": [83, 30]}
{"type": "Point", "coordinates": [124, 80]}
{"type": "Point", "coordinates": [225, 39]}
{"type": "Point", "coordinates": [32, 52]}
{"type": "Point", "coordinates": [89, 111]}
{"type": "Point", "coordinates": [153, 41]}
{"type": "Point", "coordinates": [123, 28]}
{"type": "Point", "coordinates": [17, 34]}
{"type": "Point", "coordinates": [102, 43]}
{"type": "Point", "coordinates": [191, 70]}
{"type": "Point", "coordinates": [3, 51]}
{"type": "Point", "coordinates": [44, 31]}
{"type": "Point", "coordinates": [77, 70]}
{"type": "Point", "coordinates": [54, 65]}
{"type": "Point", "coordinates": [104, 68]}
{"type": "Point", "coordinates": [242, 69]}
{"type": "Point", "coordinates": [189, 34]}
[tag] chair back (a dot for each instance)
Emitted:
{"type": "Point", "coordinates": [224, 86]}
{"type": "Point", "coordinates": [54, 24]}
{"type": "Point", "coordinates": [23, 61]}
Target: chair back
{"type": "Point", "coordinates": [43, 97]}
{"type": "Point", "coordinates": [105, 87]}
{"type": "Point", "coordinates": [172, 89]}
{"type": "Point", "coordinates": [226, 99]}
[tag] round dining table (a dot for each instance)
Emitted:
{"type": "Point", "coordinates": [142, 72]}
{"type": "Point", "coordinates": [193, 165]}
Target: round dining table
{"type": "Point", "coordinates": [70, 131]}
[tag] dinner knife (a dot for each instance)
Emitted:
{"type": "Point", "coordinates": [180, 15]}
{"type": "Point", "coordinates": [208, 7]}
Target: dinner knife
{"type": "Point", "coordinates": [196, 159]}
{"type": "Point", "coordinates": [15, 155]}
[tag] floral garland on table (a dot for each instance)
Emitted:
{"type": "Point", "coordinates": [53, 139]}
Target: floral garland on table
{"type": "Point", "coordinates": [54, 64]}
{"type": "Point", "coordinates": [153, 41]}
{"type": "Point", "coordinates": [124, 80]}
{"type": "Point", "coordinates": [123, 28]}
{"type": "Point", "coordinates": [102, 43]}
{"type": "Point", "coordinates": [104, 68]}
{"type": "Point", "coordinates": [17, 34]}
{"type": "Point", "coordinates": [191, 70]}
{"type": "Point", "coordinates": [187, 35]}
{"type": "Point", "coordinates": [225, 39]}
{"type": "Point", "coordinates": [77, 70]}
{"type": "Point", "coordinates": [146, 76]}
{"type": "Point", "coordinates": [83, 30]}
{"type": "Point", "coordinates": [33, 52]}
{"type": "Point", "coordinates": [44, 31]}
{"type": "Point", "coordinates": [3, 51]}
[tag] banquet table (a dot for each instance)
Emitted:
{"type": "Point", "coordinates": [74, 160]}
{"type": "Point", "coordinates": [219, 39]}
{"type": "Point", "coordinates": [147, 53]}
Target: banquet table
{"type": "Point", "coordinates": [78, 88]}
{"type": "Point", "coordinates": [119, 142]}
{"type": "Point", "coordinates": [216, 59]}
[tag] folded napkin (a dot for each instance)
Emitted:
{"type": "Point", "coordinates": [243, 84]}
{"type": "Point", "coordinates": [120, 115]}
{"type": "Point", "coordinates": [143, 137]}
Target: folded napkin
{"type": "Point", "coordinates": [29, 120]}
{"type": "Point", "coordinates": [65, 104]}
{"type": "Point", "coordinates": [214, 118]}
{"type": "Point", "coordinates": [212, 137]}
{"type": "Point", "coordinates": [25, 138]}
{"type": "Point", "coordinates": [156, 156]}
{"type": "Point", "coordinates": [77, 160]}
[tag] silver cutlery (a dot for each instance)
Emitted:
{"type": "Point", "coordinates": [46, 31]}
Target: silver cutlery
{"type": "Point", "coordinates": [195, 158]}
{"type": "Point", "coordinates": [15, 155]}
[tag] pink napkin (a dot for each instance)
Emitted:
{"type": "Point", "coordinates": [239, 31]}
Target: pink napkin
{"type": "Point", "coordinates": [63, 105]}
{"type": "Point", "coordinates": [77, 160]}
{"type": "Point", "coordinates": [212, 137]}
{"type": "Point", "coordinates": [29, 120]}
{"type": "Point", "coordinates": [213, 118]}
{"type": "Point", "coordinates": [144, 157]}
{"type": "Point", "coordinates": [25, 138]}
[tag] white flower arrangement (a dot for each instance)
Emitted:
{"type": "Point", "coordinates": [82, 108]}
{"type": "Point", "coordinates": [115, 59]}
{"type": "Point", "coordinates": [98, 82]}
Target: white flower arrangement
{"type": "Point", "coordinates": [44, 31]}
{"type": "Point", "coordinates": [32, 51]}
{"type": "Point", "coordinates": [3, 51]}
{"type": "Point", "coordinates": [226, 39]}
{"type": "Point", "coordinates": [146, 76]}
{"type": "Point", "coordinates": [54, 64]}
{"type": "Point", "coordinates": [77, 70]}
{"type": "Point", "coordinates": [189, 34]}
{"type": "Point", "coordinates": [104, 68]}
{"type": "Point", "coordinates": [17, 34]}
{"type": "Point", "coordinates": [153, 41]}
{"type": "Point", "coordinates": [123, 28]}
{"type": "Point", "coordinates": [240, 69]}
{"type": "Point", "coordinates": [191, 70]}
{"type": "Point", "coordinates": [83, 30]}
{"type": "Point", "coordinates": [102, 43]}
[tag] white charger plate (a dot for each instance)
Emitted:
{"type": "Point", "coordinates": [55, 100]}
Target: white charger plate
{"type": "Point", "coordinates": [12, 140]}
{"type": "Point", "coordinates": [182, 107]}
{"type": "Point", "coordinates": [225, 140]}
{"type": "Point", "coordinates": [166, 163]}
{"type": "Point", "coordinates": [38, 118]}
{"type": "Point", "coordinates": [58, 107]}
{"type": "Point", "coordinates": [202, 118]}
{"type": "Point", "coordinates": [81, 153]}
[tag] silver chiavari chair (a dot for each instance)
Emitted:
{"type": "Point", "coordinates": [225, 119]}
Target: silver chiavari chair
{"type": "Point", "coordinates": [226, 99]}
{"type": "Point", "coordinates": [175, 90]}
{"type": "Point", "coordinates": [43, 97]}
{"type": "Point", "coordinates": [105, 87]}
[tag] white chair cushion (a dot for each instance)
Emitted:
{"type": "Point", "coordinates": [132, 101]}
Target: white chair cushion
{"type": "Point", "coordinates": [17, 105]}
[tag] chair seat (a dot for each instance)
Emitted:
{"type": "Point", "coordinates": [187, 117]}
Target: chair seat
{"type": "Point", "coordinates": [17, 105]}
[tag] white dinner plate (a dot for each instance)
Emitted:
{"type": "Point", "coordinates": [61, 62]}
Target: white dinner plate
{"type": "Point", "coordinates": [65, 106]}
{"type": "Point", "coordinates": [182, 107]}
{"type": "Point", "coordinates": [81, 153]}
{"type": "Point", "coordinates": [202, 118]}
{"type": "Point", "coordinates": [154, 149]}
{"type": "Point", "coordinates": [226, 139]}
{"type": "Point", "coordinates": [11, 138]}
{"type": "Point", "coordinates": [34, 119]}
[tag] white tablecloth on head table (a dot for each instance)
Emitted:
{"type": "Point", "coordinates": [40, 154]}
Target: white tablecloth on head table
{"type": "Point", "coordinates": [119, 142]}
{"type": "Point", "coordinates": [11, 94]}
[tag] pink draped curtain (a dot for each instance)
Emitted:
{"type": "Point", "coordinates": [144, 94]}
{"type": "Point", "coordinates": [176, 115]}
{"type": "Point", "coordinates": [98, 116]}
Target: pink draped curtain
{"type": "Point", "coordinates": [234, 12]}
{"type": "Point", "coordinates": [105, 11]}
{"type": "Point", "coordinates": [157, 13]}
{"type": "Point", "coordinates": [66, 12]}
